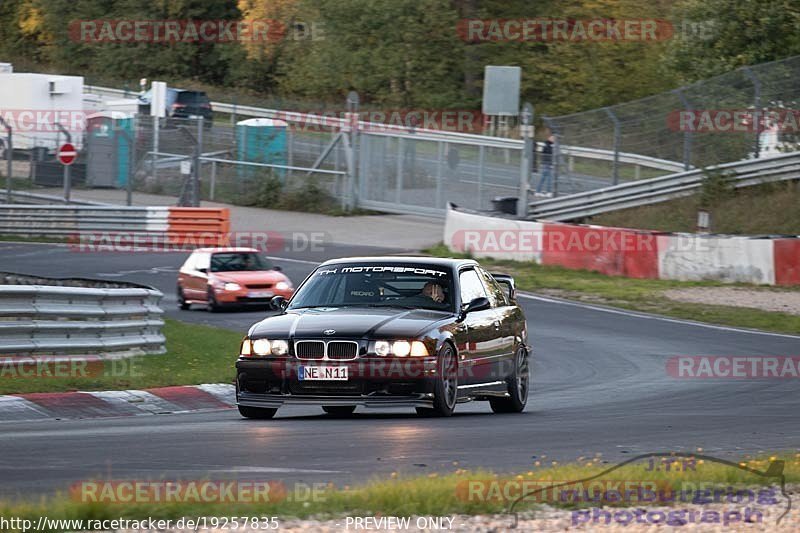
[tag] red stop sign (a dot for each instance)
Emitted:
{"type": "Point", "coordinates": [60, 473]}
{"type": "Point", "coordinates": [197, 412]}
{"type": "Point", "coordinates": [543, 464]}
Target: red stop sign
{"type": "Point", "coordinates": [67, 154]}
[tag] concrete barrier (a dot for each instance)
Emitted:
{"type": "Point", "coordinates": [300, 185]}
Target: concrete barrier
{"type": "Point", "coordinates": [627, 252]}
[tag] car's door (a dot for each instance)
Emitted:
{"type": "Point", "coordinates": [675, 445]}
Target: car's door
{"type": "Point", "coordinates": [507, 325]}
{"type": "Point", "coordinates": [197, 278]}
{"type": "Point", "coordinates": [477, 335]}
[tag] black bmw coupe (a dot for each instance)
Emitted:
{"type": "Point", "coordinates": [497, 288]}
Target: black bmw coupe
{"type": "Point", "coordinates": [386, 332]}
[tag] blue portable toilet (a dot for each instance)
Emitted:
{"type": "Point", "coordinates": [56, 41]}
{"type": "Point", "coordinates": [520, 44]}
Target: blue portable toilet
{"type": "Point", "coordinates": [109, 140]}
{"type": "Point", "coordinates": [261, 140]}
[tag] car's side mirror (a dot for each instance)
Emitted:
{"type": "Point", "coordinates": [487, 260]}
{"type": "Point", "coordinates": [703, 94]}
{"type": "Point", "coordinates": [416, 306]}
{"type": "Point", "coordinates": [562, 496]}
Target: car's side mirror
{"type": "Point", "coordinates": [279, 303]}
{"type": "Point", "coordinates": [277, 268]}
{"type": "Point", "coordinates": [508, 284]}
{"type": "Point", "coordinates": [478, 304]}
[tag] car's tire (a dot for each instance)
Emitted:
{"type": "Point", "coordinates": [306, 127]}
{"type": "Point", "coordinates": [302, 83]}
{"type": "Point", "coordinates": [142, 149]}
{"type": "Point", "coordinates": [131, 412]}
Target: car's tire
{"type": "Point", "coordinates": [518, 384]}
{"type": "Point", "coordinates": [339, 410]}
{"type": "Point", "coordinates": [257, 413]}
{"type": "Point", "coordinates": [445, 390]}
{"type": "Point", "coordinates": [213, 304]}
{"type": "Point", "coordinates": [182, 303]}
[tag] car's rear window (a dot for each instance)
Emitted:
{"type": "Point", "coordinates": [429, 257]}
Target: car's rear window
{"type": "Point", "coordinates": [417, 286]}
{"type": "Point", "coordinates": [192, 97]}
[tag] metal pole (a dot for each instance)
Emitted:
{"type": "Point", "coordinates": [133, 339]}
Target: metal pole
{"type": "Point", "coordinates": [214, 179]}
{"type": "Point", "coordinates": [526, 130]}
{"type": "Point", "coordinates": [481, 170]}
{"type": "Point", "coordinates": [401, 142]}
{"type": "Point", "coordinates": [9, 158]}
{"type": "Point", "coordinates": [615, 164]}
{"type": "Point", "coordinates": [687, 135]}
{"type": "Point", "coordinates": [67, 173]}
{"type": "Point", "coordinates": [352, 107]}
{"type": "Point", "coordinates": [196, 169]}
{"type": "Point", "coordinates": [439, 173]}
{"type": "Point", "coordinates": [757, 108]}
{"type": "Point", "coordinates": [154, 157]}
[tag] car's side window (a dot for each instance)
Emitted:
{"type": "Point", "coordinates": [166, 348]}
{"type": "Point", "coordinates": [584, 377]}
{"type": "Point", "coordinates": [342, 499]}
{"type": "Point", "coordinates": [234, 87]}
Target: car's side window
{"type": "Point", "coordinates": [495, 291]}
{"type": "Point", "coordinates": [202, 261]}
{"type": "Point", "coordinates": [471, 286]}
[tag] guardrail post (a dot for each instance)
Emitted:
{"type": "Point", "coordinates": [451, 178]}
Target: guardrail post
{"type": "Point", "coordinates": [9, 158]}
{"type": "Point", "coordinates": [757, 107]}
{"type": "Point", "coordinates": [617, 134]}
{"type": "Point", "coordinates": [687, 135]}
{"type": "Point", "coordinates": [196, 167]}
{"type": "Point", "coordinates": [214, 179]}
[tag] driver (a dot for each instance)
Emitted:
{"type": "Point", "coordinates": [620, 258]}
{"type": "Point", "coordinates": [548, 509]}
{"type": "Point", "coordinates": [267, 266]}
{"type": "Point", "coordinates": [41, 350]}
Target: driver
{"type": "Point", "coordinates": [434, 291]}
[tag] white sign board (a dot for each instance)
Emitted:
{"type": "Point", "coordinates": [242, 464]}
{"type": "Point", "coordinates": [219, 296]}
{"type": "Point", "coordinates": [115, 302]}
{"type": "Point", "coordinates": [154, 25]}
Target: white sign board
{"type": "Point", "coordinates": [501, 91]}
{"type": "Point", "coordinates": [158, 99]}
{"type": "Point", "coordinates": [186, 167]}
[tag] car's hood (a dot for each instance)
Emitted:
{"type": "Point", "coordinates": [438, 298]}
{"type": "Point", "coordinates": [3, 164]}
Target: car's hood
{"type": "Point", "coordinates": [251, 277]}
{"type": "Point", "coordinates": [348, 323]}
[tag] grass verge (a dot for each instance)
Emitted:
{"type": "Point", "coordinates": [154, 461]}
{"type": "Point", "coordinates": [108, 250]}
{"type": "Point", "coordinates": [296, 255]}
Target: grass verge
{"type": "Point", "coordinates": [461, 492]}
{"type": "Point", "coordinates": [195, 354]}
{"type": "Point", "coordinates": [634, 294]}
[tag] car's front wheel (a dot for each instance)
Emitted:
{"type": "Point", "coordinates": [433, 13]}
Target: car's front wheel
{"type": "Point", "coordinates": [182, 303]}
{"type": "Point", "coordinates": [518, 383]}
{"type": "Point", "coordinates": [259, 413]}
{"type": "Point", "coordinates": [213, 304]}
{"type": "Point", "coordinates": [445, 392]}
{"type": "Point", "coordinates": [339, 410]}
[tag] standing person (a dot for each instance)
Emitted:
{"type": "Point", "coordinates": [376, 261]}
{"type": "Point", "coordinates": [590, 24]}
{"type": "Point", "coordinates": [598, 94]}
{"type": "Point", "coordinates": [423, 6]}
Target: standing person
{"type": "Point", "coordinates": [545, 182]}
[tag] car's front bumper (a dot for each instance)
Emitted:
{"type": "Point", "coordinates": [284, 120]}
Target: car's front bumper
{"type": "Point", "coordinates": [373, 382]}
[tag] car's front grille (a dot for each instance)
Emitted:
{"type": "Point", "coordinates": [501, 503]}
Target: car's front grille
{"type": "Point", "coordinates": [342, 350]}
{"type": "Point", "coordinates": [309, 349]}
{"type": "Point", "coordinates": [329, 350]}
{"type": "Point", "coordinates": [259, 285]}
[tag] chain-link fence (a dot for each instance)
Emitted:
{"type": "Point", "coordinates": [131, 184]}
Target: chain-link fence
{"type": "Point", "coordinates": [318, 161]}
{"type": "Point", "coordinates": [695, 126]}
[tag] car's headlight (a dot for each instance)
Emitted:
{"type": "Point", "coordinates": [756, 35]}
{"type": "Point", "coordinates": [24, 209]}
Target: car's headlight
{"type": "Point", "coordinates": [262, 347]}
{"type": "Point", "coordinates": [382, 348]}
{"type": "Point", "coordinates": [230, 286]}
{"type": "Point", "coordinates": [400, 348]}
{"type": "Point", "coordinates": [279, 347]}
{"type": "Point", "coordinates": [283, 285]}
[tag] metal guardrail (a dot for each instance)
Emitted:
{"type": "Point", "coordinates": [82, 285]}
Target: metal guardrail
{"type": "Point", "coordinates": [67, 220]}
{"type": "Point", "coordinates": [57, 320]}
{"type": "Point", "coordinates": [644, 192]}
{"type": "Point", "coordinates": [421, 134]}
{"type": "Point", "coordinates": [23, 197]}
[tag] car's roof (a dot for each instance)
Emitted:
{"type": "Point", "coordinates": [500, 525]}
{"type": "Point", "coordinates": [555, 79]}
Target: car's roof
{"type": "Point", "coordinates": [447, 262]}
{"type": "Point", "coordinates": [223, 250]}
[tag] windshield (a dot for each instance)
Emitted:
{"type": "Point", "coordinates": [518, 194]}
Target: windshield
{"type": "Point", "coordinates": [239, 262]}
{"type": "Point", "coordinates": [411, 286]}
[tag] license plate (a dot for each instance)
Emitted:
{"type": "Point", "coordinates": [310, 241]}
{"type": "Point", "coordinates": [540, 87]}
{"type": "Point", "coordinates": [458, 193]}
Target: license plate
{"type": "Point", "coordinates": [194, 116]}
{"type": "Point", "coordinates": [260, 294]}
{"type": "Point", "coordinates": [322, 373]}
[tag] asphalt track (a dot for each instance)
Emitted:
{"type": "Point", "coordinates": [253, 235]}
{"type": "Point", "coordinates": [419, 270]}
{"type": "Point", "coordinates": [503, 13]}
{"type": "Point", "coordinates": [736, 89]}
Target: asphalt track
{"type": "Point", "coordinates": [599, 385]}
